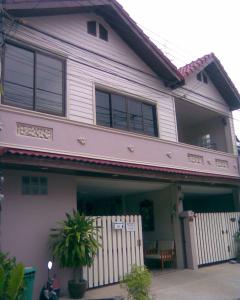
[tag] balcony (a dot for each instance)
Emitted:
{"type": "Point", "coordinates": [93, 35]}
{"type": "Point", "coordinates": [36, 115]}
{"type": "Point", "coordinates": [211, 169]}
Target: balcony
{"type": "Point", "coordinates": [202, 127]}
{"type": "Point", "coordinates": [33, 131]}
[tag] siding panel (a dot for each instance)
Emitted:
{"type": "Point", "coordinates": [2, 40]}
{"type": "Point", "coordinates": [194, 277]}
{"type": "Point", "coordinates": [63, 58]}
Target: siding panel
{"type": "Point", "coordinates": [85, 69]}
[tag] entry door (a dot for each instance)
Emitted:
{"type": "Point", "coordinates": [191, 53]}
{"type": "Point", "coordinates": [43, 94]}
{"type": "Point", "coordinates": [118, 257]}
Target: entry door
{"type": "Point", "coordinates": [121, 248]}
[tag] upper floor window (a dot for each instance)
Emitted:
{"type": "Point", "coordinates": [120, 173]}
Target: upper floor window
{"type": "Point", "coordinates": [118, 111]}
{"type": "Point", "coordinates": [97, 29]}
{"type": "Point", "coordinates": [103, 33]}
{"type": "Point", "coordinates": [33, 80]}
{"type": "Point", "coordinates": [201, 76]}
{"type": "Point", "coordinates": [92, 28]}
{"type": "Point", "coordinates": [206, 142]}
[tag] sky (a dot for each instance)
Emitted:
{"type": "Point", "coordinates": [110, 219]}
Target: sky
{"type": "Point", "coordinates": [187, 29]}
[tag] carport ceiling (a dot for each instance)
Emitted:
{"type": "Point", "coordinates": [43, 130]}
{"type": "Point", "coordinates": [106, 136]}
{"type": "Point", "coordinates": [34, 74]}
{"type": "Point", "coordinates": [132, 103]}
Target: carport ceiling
{"type": "Point", "coordinates": [193, 114]}
{"type": "Point", "coordinates": [98, 187]}
{"type": "Point", "coordinates": [205, 190]}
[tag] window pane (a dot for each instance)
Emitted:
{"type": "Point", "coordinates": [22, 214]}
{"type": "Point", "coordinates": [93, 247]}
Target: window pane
{"type": "Point", "coordinates": [43, 186]}
{"type": "Point", "coordinates": [18, 77]}
{"type": "Point", "coordinates": [119, 111]}
{"type": "Point", "coordinates": [92, 28]}
{"type": "Point", "coordinates": [103, 109]}
{"type": "Point", "coordinates": [49, 85]}
{"type": "Point", "coordinates": [135, 115]}
{"type": "Point", "coordinates": [149, 119]}
{"type": "Point", "coordinates": [103, 33]}
{"type": "Point", "coordinates": [35, 185]}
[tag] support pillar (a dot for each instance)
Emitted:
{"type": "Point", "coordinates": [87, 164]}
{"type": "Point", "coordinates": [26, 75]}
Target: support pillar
{"type": "Point", "coordinates": [177, 208]}
{"type": "Point", "coordinates": [190, 239]}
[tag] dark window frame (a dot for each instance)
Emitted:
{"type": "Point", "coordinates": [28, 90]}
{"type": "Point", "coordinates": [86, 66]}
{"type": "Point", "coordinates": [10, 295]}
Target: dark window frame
{"type": "Point", "coordinates": [103, 32]}
{"type": "Point", "coordinates": [36, 51]}
{"type": "Point", "coordinates": [205, 79]}
{"type": "Point", "coordinates": [199, 76]}
{"type": "Point", "coordinates": [34, 189]}
{"type": "Point", "coordinates": [127, 98]}
{"type": "Point", "coordinates": [89, 23]}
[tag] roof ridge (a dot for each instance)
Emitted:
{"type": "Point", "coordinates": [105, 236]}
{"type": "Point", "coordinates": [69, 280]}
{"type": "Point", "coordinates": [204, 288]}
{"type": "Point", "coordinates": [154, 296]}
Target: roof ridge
{"type": "Point", "coordinates": [189, 68]}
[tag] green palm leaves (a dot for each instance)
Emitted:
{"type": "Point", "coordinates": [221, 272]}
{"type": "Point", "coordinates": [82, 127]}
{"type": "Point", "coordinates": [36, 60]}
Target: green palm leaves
{"type": "Point", "coordinates": [74, 243]}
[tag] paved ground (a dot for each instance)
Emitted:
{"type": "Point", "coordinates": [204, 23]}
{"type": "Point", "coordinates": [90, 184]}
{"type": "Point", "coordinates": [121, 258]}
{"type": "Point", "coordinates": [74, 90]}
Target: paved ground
{"type": "Point", "coordinates": [220, 282]}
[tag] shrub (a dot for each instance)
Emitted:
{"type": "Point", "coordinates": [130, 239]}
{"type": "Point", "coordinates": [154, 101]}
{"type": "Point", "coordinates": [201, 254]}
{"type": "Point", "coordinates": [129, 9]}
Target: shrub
{"type": "Point", "coordinates": [74, 242]}
{"type": "Point", "coordinates": [11, 278]}
{"type": "Point", "coordinates": [137, 283]}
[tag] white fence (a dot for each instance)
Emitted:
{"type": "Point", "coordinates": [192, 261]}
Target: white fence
{"type": "Point", "coordinates": [121, 247]}
{"type": "Point", "coordinates": [215, 236]}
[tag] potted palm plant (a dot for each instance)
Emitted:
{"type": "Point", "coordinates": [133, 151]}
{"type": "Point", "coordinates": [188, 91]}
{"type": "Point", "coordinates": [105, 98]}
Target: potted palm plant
{"type": "Point", "coordinates": [74, 245]}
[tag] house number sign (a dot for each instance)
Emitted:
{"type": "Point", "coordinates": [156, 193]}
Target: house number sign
{"type": "Point", "coordinates": [130, 227]}
{"type": "Point", "coordinates": [117, 225]}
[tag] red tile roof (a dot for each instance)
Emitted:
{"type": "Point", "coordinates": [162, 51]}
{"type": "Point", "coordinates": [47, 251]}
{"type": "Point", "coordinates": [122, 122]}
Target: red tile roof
{"type": "Point", "coordinates": [215, 70]}
{"type": "Point", "coordinates": [55, 156]}
{"type": "Point", "coordinates": [196, 65]}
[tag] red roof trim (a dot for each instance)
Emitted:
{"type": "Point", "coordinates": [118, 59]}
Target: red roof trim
{"type": "Point", "coordinates": [12, 151]}
{"type": "Point", "coordinates": [196, 65]}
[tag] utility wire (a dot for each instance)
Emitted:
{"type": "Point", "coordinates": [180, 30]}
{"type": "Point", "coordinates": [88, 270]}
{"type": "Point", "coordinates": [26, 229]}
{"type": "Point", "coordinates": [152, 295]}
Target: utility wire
{"type": "Point", "coordinates": [64, 41]}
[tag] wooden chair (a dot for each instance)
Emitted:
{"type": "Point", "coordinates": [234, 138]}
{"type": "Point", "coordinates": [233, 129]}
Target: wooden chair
{"type": "Point", "coordinates": [160, 250]}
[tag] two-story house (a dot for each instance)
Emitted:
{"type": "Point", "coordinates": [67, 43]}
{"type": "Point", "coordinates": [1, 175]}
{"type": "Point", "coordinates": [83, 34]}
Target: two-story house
{"type": "Point", "coordinates": [94, 117]}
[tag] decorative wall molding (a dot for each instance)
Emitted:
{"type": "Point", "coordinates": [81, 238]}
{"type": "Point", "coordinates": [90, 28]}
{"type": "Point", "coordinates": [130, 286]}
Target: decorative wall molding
{"type": "Point", "coordinates": [82, 140]}
{"type": "Point", "coordinates": [195, 159]}
{"type": "Point", "coordinates": [221, 163]}
{"type": "Point", "coordinates": [131, 148]}
{"type": "Point", "coordinates": [169, 155]}
{"type": "Point", "coordinates": [34, 131]}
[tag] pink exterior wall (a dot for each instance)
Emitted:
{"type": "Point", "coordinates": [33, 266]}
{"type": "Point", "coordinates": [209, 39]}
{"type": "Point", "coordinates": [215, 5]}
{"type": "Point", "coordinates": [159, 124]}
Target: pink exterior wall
{"type": "Point", "coordinates": [74, 138]}
{"type": "Point", "coordinates": [27, 219]}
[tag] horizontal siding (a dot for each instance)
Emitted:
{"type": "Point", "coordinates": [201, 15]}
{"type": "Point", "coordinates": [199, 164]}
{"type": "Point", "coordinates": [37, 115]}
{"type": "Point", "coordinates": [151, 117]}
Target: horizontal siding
{"type": "Point", "coordinates": [205, 94]}
{"type": "Point", "coordinates": [84, 69]}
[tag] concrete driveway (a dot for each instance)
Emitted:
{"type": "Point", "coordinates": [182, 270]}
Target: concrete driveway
{"type": "Point", "coordinates": [220, 282]}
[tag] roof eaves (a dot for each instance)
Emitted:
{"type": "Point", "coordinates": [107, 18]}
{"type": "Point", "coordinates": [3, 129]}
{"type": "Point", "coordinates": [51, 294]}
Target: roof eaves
{"type": "Point", "coordinates": [172, 76]}
{"type": "Point", "coordinates": [232, 97]}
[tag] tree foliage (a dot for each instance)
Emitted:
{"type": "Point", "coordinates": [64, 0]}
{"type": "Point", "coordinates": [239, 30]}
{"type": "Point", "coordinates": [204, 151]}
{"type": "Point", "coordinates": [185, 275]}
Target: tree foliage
{"type": "Point", "coordinates": [11, 278]}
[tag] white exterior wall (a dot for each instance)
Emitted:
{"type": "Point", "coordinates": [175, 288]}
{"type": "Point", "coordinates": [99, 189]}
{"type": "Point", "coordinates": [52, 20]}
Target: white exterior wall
{"type": "Point", "coordinates": [86, 70]}
{"type": "Point", "coordinates": [209, 97]}
{"type": "Point", "coordinates": [30, 218]}
{"type": "Point", "coordinates": [204, 94]}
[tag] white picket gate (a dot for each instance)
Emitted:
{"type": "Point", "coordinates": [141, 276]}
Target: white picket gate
{"type": "Point", "coordinates": [215, 236]}
{"type": "Point", "coordinates": [120, 249]}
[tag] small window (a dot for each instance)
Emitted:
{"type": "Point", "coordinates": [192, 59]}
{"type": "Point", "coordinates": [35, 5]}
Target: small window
{"type": "Point", "coordinates": [206, 142]}
{"type": "Point", "coordinates": [205, 79]}
{"type": "Point", "coordinates": [199, 76]}
{"type": "Point", "coordinates": [202, 77]}
{"type": "Point", "coordinates": [103, 33]}
{"type": "Point", "coordinates": [33, 185]}
{"type": "Point", "coordinates": [92, 28]}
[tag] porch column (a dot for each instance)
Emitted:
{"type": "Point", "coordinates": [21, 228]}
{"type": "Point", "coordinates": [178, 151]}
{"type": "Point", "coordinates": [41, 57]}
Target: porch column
{"type": "Point", "coordinates": [177, 208]}
{"type": "Point", "coordinates": [190, 239]}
